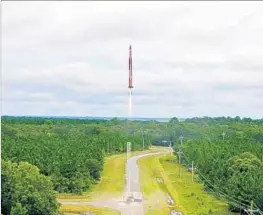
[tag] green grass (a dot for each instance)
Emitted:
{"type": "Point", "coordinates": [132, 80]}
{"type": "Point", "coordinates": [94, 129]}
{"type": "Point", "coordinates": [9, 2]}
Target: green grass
{"type": "Point", "coordinates": [153, 192]}
{"type": "Point", "coordinates": [74, 210]}
{"type": "Point", "coordinates": [190, 198]}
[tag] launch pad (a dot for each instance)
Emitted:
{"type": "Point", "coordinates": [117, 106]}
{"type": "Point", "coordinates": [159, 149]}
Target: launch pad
{"type": "Point", "coordinates": [133, 197]}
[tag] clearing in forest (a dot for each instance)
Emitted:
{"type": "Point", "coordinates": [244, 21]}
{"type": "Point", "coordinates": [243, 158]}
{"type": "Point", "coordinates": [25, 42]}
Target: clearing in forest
{"type": "Point", "coordinates": [111, 184]}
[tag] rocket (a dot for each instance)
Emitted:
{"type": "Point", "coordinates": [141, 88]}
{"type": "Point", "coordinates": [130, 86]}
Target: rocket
{"type": "Point", "coordinates": [130, 68]}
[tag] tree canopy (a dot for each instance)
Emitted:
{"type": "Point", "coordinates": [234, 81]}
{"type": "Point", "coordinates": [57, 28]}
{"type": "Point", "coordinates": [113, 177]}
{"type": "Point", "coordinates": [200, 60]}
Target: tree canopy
{"type": "Point", "coordinates": [26, 191]}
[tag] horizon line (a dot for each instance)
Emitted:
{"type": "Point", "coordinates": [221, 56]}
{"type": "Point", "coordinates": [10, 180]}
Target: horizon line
{"type": "Point", "coordinates": [125, 117]}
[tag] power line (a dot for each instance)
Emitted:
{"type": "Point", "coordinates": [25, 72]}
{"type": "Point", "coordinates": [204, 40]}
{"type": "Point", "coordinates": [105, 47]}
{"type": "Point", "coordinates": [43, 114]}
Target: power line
{"type": "Point", "coordinates": [210, 182]}
{"type": "Point", "coordinates": [228, 198]}
{"type": "Point", "coordinates": [233, 201]}
{"type": "Point", "coordinates": [222, 193]}
{"type": "Point", "coordinates": [251, 211]}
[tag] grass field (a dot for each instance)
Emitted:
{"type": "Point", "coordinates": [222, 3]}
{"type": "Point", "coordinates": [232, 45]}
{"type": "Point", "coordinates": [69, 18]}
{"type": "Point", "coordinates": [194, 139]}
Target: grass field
{"type": "Point", "coordinates": [190, 198]}
{"type": "Point", "coordinates": [153, 193]}
{"type": "Point", "coordinates": [75, 210]}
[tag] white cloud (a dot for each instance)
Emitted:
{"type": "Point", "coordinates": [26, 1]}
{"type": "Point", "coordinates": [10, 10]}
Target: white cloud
{"type": "Point", "coordinates": [190, 58]}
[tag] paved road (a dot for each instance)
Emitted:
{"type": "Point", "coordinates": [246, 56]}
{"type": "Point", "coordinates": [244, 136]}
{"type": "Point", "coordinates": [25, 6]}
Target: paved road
{"type": "Point", "coordinates": [132, 170]}
{"type": "Point", "coordinates": [118, 203]}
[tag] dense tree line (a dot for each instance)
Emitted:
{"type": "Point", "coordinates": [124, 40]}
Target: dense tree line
{"type": "Point", "coordinates": [232, 167]}
{"type": "Point", "coordinates": [71, 154]}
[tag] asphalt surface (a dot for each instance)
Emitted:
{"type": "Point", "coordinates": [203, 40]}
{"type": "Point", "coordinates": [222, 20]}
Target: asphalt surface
{"type": "Point", "coordinates": [132, 170]}
{"type": "Point", "coordinates": [133, 208]}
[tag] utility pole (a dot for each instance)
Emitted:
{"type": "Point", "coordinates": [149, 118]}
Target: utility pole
{"type": "Point", "coordinates": [181, 138]}
{"type": "Point", "coordinates": [251, 211]}
{"type": "Point", "coordinates": [142, 140]}
{"type": "Point", "coordinates": [108, 147]}
{"type": "Point", "coordinates": [223, 135]}
{"type": "Point", "coordinates": [179, 155]}
{"type": "Point", "coordinates": [192, 170]}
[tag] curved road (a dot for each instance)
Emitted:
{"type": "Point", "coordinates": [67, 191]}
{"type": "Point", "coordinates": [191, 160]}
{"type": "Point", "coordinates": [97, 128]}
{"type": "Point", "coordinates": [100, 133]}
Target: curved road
{"type": "Point", "coordinates": [134, 208]}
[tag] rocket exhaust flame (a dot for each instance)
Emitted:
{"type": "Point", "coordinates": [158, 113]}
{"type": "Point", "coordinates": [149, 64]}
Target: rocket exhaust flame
{"type": "Point", "coordinates": [130, 104]}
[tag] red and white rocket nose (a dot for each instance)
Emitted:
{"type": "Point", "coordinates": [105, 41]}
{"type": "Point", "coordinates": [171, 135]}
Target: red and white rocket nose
{"type": "Point", "coordinates": [130, 68]}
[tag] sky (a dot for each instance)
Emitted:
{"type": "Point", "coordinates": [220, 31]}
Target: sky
{"type": "Point", "coordinates": [189, 58]}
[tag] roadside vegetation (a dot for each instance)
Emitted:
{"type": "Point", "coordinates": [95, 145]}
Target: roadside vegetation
{"type": "Point", "coordinates": [154, 194]}
{"type": "Point", "coordinates": [193, 198]}
{"type": "Point", "coordinates": [231, 169]}
{"type": "Point", "coordinates": [79, 210]}
{"type": "Point", "coordinates": [159, 183]}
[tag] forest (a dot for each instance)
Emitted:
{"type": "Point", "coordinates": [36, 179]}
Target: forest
{"type": "Point", "coordinates": [57, 155]}
{"type": "Point", "coordinates": [67, 153]}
